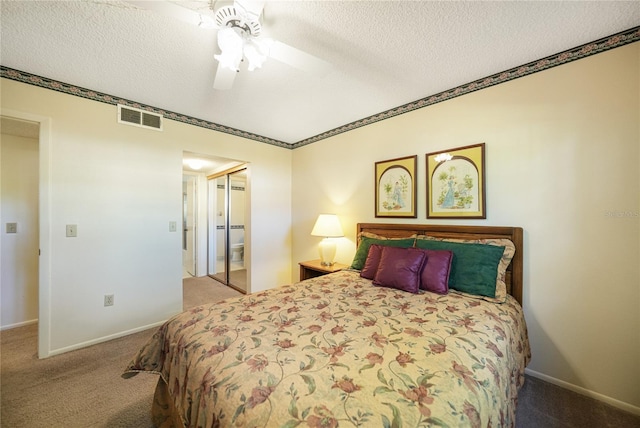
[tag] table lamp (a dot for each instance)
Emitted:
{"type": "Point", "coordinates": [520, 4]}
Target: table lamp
{"type": "Point", "coordinates": [328, 226]}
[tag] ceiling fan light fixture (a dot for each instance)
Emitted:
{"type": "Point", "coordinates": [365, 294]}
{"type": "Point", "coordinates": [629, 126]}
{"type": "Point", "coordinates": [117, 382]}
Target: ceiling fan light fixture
{"type": "Point", "coordinates": [231, 44]}
{"type": "Point", "coordinates": [256, 51]}
{"type": "Point", "coordinates": [238, 17]}
{"type": "Point", "coordinates": [238, 38]}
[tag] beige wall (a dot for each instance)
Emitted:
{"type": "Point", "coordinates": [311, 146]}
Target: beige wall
{"type": "Point", "coordinates": [121, 186]}
{"type": "Point", "coordinates": [562, 161]}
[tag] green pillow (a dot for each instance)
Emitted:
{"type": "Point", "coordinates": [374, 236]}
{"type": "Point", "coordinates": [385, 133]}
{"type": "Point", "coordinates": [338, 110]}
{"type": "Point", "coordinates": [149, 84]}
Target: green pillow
{"type": "Point", "coordinates": [366, 242]}
{"type": "Point", "coordinates": [474, 267]}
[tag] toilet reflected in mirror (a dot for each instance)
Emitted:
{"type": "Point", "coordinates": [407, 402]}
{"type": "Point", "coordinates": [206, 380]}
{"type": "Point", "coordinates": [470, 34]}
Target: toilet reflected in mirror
{"type": "Point", "coordinates": [237, 252]}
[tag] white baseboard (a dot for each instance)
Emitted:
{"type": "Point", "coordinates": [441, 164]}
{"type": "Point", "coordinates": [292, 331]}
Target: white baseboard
{"type": "Point", "coordinates": [59, 351]}
{"type": "Point", "coordinates": [583, 391]}
{"type": "Point", "coordinates": [19, 324]}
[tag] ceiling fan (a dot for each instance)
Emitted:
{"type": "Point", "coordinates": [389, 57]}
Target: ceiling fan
{"type": "Point", "coordinates": [239, 36]}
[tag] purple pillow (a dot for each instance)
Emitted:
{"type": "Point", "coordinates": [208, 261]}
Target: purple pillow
{"type": "Point", "coordinates": [435, 273]}
{"type": "Point", "coordinates": [400, 268]}
{"type": "Point", "coordinates": [371, 263]}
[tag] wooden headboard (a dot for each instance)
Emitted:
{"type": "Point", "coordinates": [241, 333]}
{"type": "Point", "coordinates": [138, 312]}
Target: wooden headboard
{"type": "Point", "coordinates": [514, 271]}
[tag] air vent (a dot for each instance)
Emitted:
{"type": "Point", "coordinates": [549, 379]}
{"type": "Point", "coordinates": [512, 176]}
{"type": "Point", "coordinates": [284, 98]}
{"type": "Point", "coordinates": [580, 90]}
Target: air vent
{"type": "Point", "coordinates": [141, 118]}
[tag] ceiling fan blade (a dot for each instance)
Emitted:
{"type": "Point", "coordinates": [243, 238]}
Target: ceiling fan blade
{"type": "Point", "coordinates": [224, 78]}
{"type": "Point", "coordinates": [175, 11]}
{"type": "Point", "coordinates": [299, 59]}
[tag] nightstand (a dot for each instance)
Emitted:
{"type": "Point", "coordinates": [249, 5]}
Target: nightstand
{"type": "Point", "coordinates": [313, 268]}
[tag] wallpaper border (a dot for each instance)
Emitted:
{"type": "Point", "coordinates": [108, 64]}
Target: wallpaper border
{"type": "Point", "coordinates": [607, 43]}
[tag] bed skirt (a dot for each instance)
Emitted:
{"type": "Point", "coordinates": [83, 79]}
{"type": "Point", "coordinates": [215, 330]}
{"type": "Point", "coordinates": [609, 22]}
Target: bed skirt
{"type": "Point", "coordinates": [163, 412]}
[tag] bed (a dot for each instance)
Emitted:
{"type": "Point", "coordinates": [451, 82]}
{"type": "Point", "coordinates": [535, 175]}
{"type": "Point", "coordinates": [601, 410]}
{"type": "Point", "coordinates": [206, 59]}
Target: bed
{"type": "Point", "coordinates": [356, 348]}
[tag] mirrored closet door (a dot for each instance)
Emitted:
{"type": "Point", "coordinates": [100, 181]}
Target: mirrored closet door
{"type": "Point", "coordinates": [226, 258]}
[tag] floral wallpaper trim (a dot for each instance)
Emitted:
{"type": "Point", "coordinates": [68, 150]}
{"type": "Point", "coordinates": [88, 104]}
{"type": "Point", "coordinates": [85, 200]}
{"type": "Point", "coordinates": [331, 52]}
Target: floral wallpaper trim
{"type": "Point", "coordinates": [620, 39]}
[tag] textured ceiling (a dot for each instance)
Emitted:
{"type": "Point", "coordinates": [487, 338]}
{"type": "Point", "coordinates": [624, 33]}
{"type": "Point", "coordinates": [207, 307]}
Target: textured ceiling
{"type": "Point", "coordinates": [383, 54]}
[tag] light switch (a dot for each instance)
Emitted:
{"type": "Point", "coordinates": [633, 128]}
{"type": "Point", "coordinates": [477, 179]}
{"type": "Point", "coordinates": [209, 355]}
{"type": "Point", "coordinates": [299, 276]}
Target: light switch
{"type": "Point", "coordinates": [72, 230]}
{"type": "Point", "coordinates": [173, 226]}
{"type": "Point", "coordinates": [12, 227]}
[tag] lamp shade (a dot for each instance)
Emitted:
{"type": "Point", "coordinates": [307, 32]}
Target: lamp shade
{"type": "Point", "coordinates": [231, 43]}
{"type": "Point", "coordinates": [328, 226]}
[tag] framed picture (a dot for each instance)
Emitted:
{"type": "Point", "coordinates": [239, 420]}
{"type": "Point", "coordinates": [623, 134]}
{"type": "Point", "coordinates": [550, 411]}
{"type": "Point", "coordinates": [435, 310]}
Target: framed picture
{"type": "Point", "coordinates": [396, 187]}
{"type": "Point", "coordinates": [456, 184]}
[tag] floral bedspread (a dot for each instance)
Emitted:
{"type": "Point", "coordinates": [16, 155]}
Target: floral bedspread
{"type": "Point", "coordinates": [337, 351]}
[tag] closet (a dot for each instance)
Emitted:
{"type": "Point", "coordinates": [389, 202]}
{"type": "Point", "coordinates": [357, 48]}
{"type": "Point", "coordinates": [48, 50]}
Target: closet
{"type": "Point", "coordinates": [226, 261]}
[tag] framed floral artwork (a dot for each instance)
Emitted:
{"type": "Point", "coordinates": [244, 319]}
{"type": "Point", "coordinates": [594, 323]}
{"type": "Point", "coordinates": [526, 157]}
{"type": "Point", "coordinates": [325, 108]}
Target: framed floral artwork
{"type": "Point", "coordinates": [456, 183]}
{"type": "Point", "coordinates": [396, 187]}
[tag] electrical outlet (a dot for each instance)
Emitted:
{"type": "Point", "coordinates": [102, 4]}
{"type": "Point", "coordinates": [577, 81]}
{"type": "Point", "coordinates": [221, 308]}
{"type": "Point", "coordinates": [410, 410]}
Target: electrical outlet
{"type": "Point", "coordinates": [108, 299]}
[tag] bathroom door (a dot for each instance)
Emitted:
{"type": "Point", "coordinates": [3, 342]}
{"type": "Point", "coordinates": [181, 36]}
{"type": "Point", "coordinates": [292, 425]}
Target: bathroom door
{"type": "Point", "coordinates": [226, 259]}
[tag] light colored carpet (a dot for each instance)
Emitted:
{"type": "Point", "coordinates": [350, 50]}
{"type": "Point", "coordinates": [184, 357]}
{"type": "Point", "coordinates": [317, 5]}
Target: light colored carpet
{"type": "Point", "coordinates": [83, 388]}
{"type": "Point", "coordinates": [197, 291]}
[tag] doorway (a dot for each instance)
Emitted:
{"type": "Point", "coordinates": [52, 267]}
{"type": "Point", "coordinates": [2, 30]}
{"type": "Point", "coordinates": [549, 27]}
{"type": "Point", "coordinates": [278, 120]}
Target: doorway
{"type": "Point", "coordinates": [226, 224]}
{"type": "Point", "coordinates": [25, 213]}
{"type": "Point", "coordinates": [189, 225]}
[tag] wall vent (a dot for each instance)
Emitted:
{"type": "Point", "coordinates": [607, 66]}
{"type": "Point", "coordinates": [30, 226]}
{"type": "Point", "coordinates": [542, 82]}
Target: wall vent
{"type": "Point", "coordinates": [137, 117]}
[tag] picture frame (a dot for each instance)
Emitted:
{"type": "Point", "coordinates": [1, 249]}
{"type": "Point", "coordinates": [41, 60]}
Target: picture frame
{"type": "Point", "coordinates": [396, 189]}
{"type": "Point", "coordinates": [456, 185]}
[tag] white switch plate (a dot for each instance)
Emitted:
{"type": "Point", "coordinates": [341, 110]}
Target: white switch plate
{"type": "Point", "coordinates": [72, 230]}
{"type": "Point", "coordinates": [108, 299]}
{"type": "Point", "coordinates": [173, 226]}
{"type": "Point", "coordinates": [12, 227]}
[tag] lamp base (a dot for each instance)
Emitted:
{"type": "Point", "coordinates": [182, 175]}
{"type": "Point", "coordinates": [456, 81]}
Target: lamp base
{"type": "Point", "coordinates": [327, 251]}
